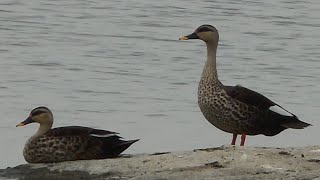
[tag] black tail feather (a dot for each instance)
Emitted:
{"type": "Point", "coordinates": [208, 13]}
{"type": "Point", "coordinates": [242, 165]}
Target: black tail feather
{"type": "Point", "coordinates": [297, 124]}
{"type": "Point", "coordinates": [114, 146]}
{"type": "Point", "coordinates": [278, 123]}
{"type": "Point", "coordinates": [119, 148]}
{"type": "Point", "coordinates": [290, 121]}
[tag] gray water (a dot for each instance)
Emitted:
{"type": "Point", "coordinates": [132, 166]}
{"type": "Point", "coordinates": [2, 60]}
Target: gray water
{"type": "Point", "coordinates": [118, 65]}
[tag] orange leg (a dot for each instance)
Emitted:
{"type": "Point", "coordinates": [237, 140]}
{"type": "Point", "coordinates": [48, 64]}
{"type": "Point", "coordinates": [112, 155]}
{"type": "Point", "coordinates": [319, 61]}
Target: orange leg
{"type": "Point", "coordinates": [243, 139]}
{"type": "Point", "coordinates": [234, 138]}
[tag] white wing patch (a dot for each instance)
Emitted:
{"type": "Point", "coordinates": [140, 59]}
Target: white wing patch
{"type": "Point", "coordinates": [280, 110]}
{"type": "Point", "coordinates": [103, 135]}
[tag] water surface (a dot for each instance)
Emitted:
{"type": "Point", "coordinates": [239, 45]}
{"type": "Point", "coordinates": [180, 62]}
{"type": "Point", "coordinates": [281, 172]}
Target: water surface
{"type": "Point", "coordinates": [118, 65]}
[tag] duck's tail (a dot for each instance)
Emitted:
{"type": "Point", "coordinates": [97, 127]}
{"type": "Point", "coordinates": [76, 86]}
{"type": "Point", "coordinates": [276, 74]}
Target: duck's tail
{"type": "Point", "coordinates": [293, 122]}
{"type": "Point", "coordinates": [113, 146]}
{"type": "Point", "coordinates": [286, 118]}
{"type": "Point", "coordinates": [122, 146]}
{"type": "Point", "coordinates": [289, 121]}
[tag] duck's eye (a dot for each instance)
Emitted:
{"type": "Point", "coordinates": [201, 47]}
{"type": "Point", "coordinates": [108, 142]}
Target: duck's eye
{"type": "Point", "coordinates": [36, 113]}
{"type": "Point", "coordinates": [204, 29]}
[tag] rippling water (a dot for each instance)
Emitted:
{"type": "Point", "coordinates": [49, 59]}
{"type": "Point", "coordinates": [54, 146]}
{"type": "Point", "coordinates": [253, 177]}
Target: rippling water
{"type": "Point", "coordinates": [118, 65]}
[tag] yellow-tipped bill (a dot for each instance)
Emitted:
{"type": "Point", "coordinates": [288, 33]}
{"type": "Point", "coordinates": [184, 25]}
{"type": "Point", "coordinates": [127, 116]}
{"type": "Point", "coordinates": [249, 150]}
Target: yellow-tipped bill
{"type": "Point", "coordinates": [183, 38]}
{"type": "Point", "coordinates": [190, 36]}
{"type": "Point", "coordinates": [25, 122]}
{"type": "Point", "coordinates": [20, 124]}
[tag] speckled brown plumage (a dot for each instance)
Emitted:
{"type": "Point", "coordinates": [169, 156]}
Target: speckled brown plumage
{"type": "Point", "coordinates": [69, 143]}
{"type": "Point", "coordinates": [236, 109]}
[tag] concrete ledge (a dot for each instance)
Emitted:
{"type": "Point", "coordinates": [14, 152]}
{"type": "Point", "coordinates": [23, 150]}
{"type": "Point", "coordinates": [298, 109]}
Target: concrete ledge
{"type": "Point", "coordinates": [212, 163]}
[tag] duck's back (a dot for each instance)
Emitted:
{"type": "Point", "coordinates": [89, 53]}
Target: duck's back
{"type": "Point", "coordinates": [74, 143]}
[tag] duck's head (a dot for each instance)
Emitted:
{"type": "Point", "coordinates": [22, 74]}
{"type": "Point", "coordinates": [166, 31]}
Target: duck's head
{"type": "Point", "coordinates": [205, 32]}
{"type": "Point", "coordinates": [41, 115]}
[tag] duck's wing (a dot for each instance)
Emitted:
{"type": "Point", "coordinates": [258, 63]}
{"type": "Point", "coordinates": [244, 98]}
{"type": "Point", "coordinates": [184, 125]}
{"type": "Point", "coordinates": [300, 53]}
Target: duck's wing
{"type": "Point", "coordinates": [78, 131]}
{"type": "Point", "coordinates": [90, 143]}
{"type": "Point", "coordinates": [248, 96]}
{"type": "Point", "coordinates": [277, 112]}
{"type": "Point", "coordinates": [253, 98]}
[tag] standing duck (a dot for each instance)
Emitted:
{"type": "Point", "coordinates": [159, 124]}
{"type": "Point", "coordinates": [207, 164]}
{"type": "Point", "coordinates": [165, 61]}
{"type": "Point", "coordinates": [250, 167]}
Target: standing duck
{"type": "Point", "coordinates": [69, 143]}
{"type": "Point", "coordinates": [236, 109]}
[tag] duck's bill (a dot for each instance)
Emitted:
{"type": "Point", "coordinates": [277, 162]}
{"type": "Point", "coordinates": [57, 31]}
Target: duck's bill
{"type": "Point", "coordinates": [25, 122]}
{"type": "Point", "coordinates": [191, 36]}
{"type": "Point", "coordinates": [183, 38]}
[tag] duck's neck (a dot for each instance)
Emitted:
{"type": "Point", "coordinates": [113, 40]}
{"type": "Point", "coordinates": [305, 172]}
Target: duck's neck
{"type": "Point", "coordinates": [42, 129]}
{"type": "Point", "coordinates": [210, 71]}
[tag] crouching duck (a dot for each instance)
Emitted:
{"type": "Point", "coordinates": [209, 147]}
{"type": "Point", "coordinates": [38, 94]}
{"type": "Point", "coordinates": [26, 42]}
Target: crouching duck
{"type": "Point", "coordinates": [69, 143]}
{"type": "Point", "coordinates": [236, 109]}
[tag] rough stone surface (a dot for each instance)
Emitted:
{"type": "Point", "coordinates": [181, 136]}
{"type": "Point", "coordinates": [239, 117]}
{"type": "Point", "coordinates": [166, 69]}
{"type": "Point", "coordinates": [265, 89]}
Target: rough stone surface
{"type": "Point", "coordinates": [213, 163]}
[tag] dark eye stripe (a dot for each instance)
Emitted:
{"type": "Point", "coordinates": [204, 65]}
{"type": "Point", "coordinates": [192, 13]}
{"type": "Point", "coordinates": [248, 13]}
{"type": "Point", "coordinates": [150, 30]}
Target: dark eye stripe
{"type": "Point", "coordinates": [37, 112]}
{"type": "Point", "coordinates": [40, 110]}
{"type": "Point", "coordinates": [204, 29]}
